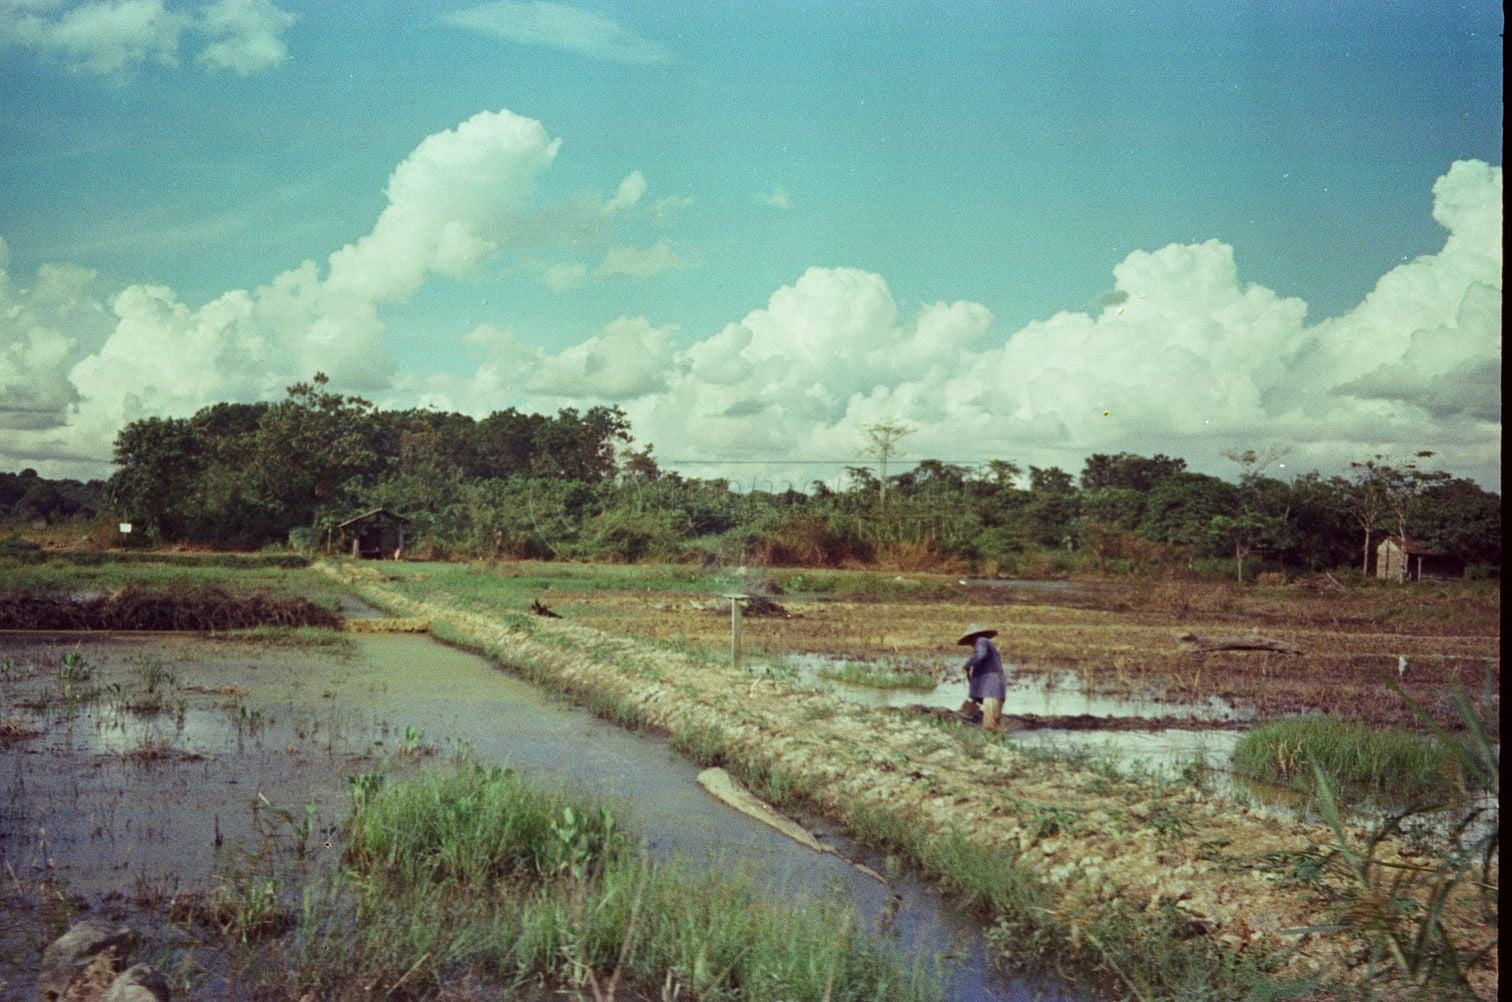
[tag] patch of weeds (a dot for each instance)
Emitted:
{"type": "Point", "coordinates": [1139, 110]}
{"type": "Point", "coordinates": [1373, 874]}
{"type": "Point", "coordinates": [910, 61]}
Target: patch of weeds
{"type": "Point", "coordinates": [154, 746]}
{"type": "Point", "coordinates": [776, 669]}
{"type": "Point", "coordinates": [74, 669]}
{"type": "Point", "coordinates": [1197, 772]}
{"type": "Point", "coordinates": [878, 678]}
{"type": "Point", "coordinates": [1044, 820]}
{"type": "Point", "coordinates": [1358, 759]}
{"type": "Point", "coordinates": [617, 708]}
{"type": "Point", "coordinates": [704, 744]}
{"type": "Point", "coordinates": [248, 720]}
{"type": "Point", "coordinates": [1166, 953]}
{"type": "Point", "coordinates": [243, 908]}
{"type": "Point", "coordinates": [413, 743]}
{"type": "Point", "coordinates": [1412, 922]}
{"type": "Point", "coordinates": [1169, 827]}
{"type": "Point", "coordinates": [974, 742]}
{"type": "Point", "coordinates": [473, 825]}
{"type": "Point", "coordinates": [770, 782]}
{"type": "Point", "coordinates": [151, 694]}
{"type": "Point", "coordinates": [327, 639]}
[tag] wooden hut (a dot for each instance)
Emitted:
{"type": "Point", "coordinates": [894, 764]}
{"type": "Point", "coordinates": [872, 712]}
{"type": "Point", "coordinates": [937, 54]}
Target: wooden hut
{"type": "Point", "coordinates": [1402, 559]}
{"type": "Point", "coordinates": [374, 535]}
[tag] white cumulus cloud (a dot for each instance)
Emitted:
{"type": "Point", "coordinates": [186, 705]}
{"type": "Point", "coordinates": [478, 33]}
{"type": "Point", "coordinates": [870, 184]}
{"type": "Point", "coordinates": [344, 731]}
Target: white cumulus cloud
{"type": "Point", "coordinates": [111, 37]}
{"type": "Point", "coordinates": [639, 262]}
{"type": "Point", "coordinates": [91, 367]}
{"type": "Point", "coordinates": [561, 26]}
{"type": "Point", "coordinates": [630, 359]}
{"type": "Point", "coordinates": [44, 329]}
{"type": "Point", "coordinates": [777, 198]}
{"type": "Point", "coordinates": [248, 35]}
{"type": "Point", "coordinates": [627, 194]}
{"type": "Point", "coordinates": [1182, 356]}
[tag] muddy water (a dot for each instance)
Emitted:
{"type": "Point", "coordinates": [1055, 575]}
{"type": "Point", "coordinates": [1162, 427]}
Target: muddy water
{"type": "Point", "coordinates": [116, 805]}
{"type": "Point", "coordinates": [1057, 692]}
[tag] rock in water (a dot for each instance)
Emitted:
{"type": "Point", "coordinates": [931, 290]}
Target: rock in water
{"type": "Point", "coordinates": [140, 983]}
{"type": "Point", "coordinates": [68, 955]}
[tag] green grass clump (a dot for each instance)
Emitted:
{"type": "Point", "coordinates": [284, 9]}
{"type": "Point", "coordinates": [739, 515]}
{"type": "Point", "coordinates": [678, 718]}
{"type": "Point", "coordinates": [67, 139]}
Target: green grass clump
{"type": "Point", "coordinates": [302, 637]}
{"type": "Point", "coordinates": [476, 874]}
{"type": "Point", "coordinates": [1391, 763]}
{"type": "Point", "coordinates": [476, 825]}
{"type": "Point", "coordinates": [878, 678]}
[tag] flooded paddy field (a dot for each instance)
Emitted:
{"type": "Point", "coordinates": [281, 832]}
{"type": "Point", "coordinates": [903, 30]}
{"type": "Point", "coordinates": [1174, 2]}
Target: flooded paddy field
{"type": "Point", "coordinates": [1200, 872]}
{"type": "Point", "coordinates": [1083, 839]}
{"type": "Point", "coordinates": [150, 775]}
{"type": "Point", "coordinates": [1122, 639]}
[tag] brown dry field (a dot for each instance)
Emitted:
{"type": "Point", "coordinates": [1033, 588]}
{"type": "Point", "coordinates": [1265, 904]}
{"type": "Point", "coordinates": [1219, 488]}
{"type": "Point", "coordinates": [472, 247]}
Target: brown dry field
{"type": "Point", "coordinates": [1121, 636]}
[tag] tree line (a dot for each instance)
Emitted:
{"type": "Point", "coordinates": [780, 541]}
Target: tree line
{"type": "Point", "coordinates": [29, 497]}
{"type": "Point", "coordinates": [573, 485]}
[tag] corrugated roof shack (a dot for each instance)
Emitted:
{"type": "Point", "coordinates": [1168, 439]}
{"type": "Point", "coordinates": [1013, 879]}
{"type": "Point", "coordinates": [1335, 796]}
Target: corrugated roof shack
{"type": "Point", "coordinates": [1399, 559]}
{"type": "Point", "coordinates": [374, 535]}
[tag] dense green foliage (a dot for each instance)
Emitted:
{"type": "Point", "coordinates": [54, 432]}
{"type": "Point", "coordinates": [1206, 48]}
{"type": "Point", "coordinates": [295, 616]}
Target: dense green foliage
{"type": "Point", "coordinates": [572, 486]}
{"type": "Point", "coordinates": [27, 497]}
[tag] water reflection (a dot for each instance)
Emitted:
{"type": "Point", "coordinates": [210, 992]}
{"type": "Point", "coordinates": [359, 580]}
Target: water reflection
{"type": "Point", "coordinates": [269, 731]}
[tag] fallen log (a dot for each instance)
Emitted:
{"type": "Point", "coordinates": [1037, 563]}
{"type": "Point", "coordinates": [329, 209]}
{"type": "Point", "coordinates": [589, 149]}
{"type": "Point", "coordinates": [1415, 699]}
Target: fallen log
{"type": "Point", "coordinates": [723, 787]}
{"type": "Point", "coordinates": [1237, 642]}
{"type": "Point", "coordinates": [719, 783]}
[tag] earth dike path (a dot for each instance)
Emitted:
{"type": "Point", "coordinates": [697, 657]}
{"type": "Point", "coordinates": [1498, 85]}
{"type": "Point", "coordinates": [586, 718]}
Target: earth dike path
{"type": "Point", "coordinates": [1101, 852]}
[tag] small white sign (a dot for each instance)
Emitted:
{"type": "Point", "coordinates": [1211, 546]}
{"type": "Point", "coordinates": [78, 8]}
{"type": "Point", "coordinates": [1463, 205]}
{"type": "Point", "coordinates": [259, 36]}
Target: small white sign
{"type": "Point", "coordinates": [125, 527]}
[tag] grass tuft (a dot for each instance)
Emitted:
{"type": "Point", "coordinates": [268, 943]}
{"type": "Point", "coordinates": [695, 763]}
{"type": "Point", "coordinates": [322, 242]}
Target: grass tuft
{"type": "Point", "coordinates": [474, 873]}
{"type": "Point", "coordinates": [879, 678]}
{"type": "Point", "coordinates": [1390, 763]}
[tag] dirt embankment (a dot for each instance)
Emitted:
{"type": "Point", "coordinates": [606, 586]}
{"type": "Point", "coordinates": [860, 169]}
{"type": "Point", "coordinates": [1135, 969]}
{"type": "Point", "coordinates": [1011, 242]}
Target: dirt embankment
{"type": "Point", "coordinates": [135, 608]}
{"type": "Point", "coordinates": [1095, 843]}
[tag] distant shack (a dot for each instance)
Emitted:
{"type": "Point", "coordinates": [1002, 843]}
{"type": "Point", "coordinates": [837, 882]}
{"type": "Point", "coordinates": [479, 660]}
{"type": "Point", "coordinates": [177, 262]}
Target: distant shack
{"type": "Point", "coordinates": [374, 535]}
{"type": "Point", "coordinates": [1402, 559]}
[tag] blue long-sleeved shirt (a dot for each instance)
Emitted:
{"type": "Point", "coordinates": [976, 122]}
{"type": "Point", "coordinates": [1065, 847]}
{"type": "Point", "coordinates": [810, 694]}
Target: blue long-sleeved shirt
{"type": "Point", "coordinates": [984, 670]}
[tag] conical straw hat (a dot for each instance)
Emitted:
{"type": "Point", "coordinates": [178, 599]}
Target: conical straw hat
{"type": "Point", "coordinates": [969, 637]}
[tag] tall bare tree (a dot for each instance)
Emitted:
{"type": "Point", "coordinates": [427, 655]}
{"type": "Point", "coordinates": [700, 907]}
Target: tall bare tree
{"type": "Point", "coordinates": [883, 440]}
{"type": "Point", "coordinates": [1382, 487]}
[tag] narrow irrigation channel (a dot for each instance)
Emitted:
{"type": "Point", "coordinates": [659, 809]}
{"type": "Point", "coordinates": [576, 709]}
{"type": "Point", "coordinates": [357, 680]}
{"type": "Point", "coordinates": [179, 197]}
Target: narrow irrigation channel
{"type": "Point", "coordinates": [193, 761]}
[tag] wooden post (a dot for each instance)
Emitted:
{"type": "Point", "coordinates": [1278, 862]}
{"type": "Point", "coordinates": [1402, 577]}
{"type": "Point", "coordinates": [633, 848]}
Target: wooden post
{"type": "Point", "coordinates": [735, 601]}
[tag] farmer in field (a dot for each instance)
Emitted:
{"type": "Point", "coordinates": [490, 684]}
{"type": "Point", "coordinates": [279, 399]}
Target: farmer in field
{"type": "Point", "coordinates": [984, 674]}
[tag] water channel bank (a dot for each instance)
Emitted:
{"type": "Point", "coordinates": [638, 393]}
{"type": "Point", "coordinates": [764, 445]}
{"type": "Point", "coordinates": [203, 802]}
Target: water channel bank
{"type": "Point", "coordinates": [1137, 880]}
{"type": "Point", "coordinates": [119, 809]}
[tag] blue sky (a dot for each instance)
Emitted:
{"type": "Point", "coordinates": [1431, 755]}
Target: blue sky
{"type": "Point", "coordinates": [761, 227]}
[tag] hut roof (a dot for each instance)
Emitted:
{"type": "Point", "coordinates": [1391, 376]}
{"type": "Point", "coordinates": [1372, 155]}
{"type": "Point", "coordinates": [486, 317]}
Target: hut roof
{"type": "Point", "coordinates": [376, 513]}
{"type": "Point", "coordinates": [1413, 546]}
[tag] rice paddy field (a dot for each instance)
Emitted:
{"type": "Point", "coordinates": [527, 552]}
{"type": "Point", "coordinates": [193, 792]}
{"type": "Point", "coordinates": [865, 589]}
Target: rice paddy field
{"type": "Point", "coordinates": [1320, 818]}
{"type": "Point", "coordinates": [1160, 882]}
